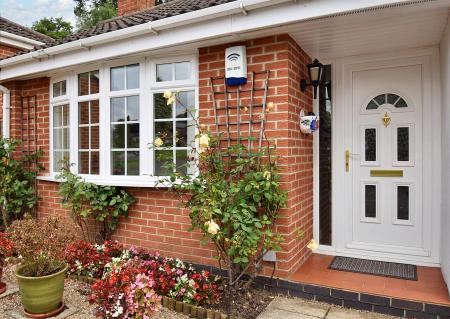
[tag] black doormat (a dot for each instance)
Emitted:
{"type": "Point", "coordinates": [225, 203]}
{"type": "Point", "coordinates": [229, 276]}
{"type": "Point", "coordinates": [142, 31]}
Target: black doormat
{"type": "Point", "coordinates": [374, 267]}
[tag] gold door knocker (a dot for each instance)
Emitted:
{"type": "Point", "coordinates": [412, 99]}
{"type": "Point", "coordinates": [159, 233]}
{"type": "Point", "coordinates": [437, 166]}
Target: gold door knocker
{"type": "Point", "coordinates": [386, 119]}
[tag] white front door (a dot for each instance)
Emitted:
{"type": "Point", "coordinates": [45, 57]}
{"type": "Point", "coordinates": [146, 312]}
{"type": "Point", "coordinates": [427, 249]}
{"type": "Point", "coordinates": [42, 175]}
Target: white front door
{"type": "Point", "coordinates": [384, 151]}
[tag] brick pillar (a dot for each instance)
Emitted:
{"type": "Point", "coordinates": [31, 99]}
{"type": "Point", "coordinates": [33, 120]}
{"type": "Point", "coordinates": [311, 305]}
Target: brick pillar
{"type": "Point", "coordinates": [287, 63]}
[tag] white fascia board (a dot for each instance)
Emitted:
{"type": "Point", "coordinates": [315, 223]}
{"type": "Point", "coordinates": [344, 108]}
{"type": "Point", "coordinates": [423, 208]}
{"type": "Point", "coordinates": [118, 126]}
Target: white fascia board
{"type": "Point", "coordinates": [18, 41]}
{"type": "Point", "coordinates": [206, 24]}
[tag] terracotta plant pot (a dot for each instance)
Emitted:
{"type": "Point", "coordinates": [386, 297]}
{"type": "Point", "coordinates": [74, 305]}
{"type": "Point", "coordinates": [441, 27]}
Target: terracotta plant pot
{"type": "Point", "coordinates": [41, 295]}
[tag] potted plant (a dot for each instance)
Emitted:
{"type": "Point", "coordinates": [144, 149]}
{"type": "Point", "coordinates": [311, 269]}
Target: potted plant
{"type": "Point", "coordinates": [6, 250]}
{"type": "Point", "coordinates": [41, 243]}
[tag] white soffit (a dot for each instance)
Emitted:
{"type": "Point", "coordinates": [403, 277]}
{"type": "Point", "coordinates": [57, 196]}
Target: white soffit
{"type": "Point", "coordinates": [371, 32]}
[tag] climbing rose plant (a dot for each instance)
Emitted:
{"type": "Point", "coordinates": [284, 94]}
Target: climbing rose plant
{"type": "Point", "coordinates": [233, 197]}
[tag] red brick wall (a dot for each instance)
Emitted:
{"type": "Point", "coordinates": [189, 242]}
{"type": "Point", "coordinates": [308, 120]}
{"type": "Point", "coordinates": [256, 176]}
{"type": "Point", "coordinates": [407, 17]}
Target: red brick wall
{"type": "Point", "coordinates": [131, 6]}
{"type": "Point", "coordinates": [287, 64]}
{"type": "Point", "coordinates": [155, 221]}
{"type": "Point", "coordinates": [6, 51]}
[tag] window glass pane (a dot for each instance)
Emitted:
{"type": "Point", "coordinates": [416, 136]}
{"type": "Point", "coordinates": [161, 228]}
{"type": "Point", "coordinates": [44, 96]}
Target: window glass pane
{"type": "Point", "coordinates": [164, 130]}
{"type": "Point", "coordinates": [392, 98]}
{"type": "Point", "coordinates": [380, 99]}
{"type": "Point", "coordinates": [164, 72]}
{"type": "Point", "coordinates": [57, 115]}
{"type": "Point", "coordinates": [133, 108]}
{"type": "Point", "coordinates": [401, 103]}
{"type": "Point", "coordinates": [372, 105]}
{"type": "Point", "coordinates": [95, 137]}
{"type": "Point", "coordinates": [118, 109]}
{"type": "Point", "coordinates": [83, 162]}
{"type": "Point", "coordinates": [133, 135]}
{"type": "Point", "coordinates": [403, 144]}
{"type": "Point", "coordinates": [133, 76]}
{"type": "Point", "coordinates": [95, 163]}
{"type": "Point", "coordinates": [182, 161]}
{"type": "Point", "coordinates": [371, 145]}
{"type": "Point", "coordinates": [58, 139]}
{"type": "Point", "coordinates": [182, 71]}
{"type": "Point", "coordinates": [162, 159]}
{"type": "Point", "coordinates": [118, 163]}
{"type": "Point", "coordinates": [83, 113]}
{"type": "Point", "coordinates": [185, 134]}
{"type": "Point", "coordinates": [58, 159]}
{"type": "Point", "coordinates": [185, 103]}
{"type": "Point", "coordinates": [162, 110]}
{"type": "Point", "coordinates": [83, 83]}
{"type": "Point", "coordinates": [370, 201]}
{"type": "Point", "coordinates": [118, 135]}
{"type": "Point", "coordinates": [63, 88]}
{"type": "Point", "coordinates": [83, 133]}
{"type": "Point", "coordinates": [65, 115]}
{"type": "Point", "coordinates": [117, 79]}
{"type": "Point", "coordinates": [95, 112]}
{"type": "Point", "coordinates": [403, 202]}
{"type": "Point", "coordinates": [95, 83]}
{"type": "Point", "coordinates": [66, 138]}
{"type": "Point", "coordinates": [56, 89]}
{"type": "Point", "coordinates": [133, 163]}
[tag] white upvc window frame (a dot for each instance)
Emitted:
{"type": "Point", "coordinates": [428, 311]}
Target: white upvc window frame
{"type": "Point", "coordinates": [54, 102]}
{"type": "Point", "coordinates": [147, 87]}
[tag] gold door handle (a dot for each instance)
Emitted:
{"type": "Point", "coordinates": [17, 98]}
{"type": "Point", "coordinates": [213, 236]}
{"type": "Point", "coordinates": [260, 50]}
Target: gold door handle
{"type": "Point", "coordinates": [347, 160]}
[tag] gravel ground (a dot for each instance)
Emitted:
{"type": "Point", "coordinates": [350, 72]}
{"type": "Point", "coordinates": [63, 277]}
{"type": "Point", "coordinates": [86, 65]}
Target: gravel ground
{"type": "Point", "coordinates": [75, 294]}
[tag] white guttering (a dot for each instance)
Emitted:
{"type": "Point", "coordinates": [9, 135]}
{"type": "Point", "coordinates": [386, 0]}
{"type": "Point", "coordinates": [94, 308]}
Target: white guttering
{"type": "Point", "coordinates": [324, 8]}
{"type": "Point", "coordinates": [230, 8]}
{"type": "Point", "coordinates": [18, 41]}
{"type": "Point", "coordinates": [6, 110]}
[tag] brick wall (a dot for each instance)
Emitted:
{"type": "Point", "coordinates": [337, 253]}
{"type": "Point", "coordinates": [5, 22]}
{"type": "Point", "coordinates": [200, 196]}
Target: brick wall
{"type": "Point", "coordinates": [155, 221]}
{"type": "Point", "coordinates": [131, 6]}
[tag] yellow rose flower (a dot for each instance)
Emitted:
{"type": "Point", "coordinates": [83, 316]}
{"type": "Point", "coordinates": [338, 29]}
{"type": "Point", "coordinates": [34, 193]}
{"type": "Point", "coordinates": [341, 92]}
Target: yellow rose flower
{"type": "Point", "coordinates": [213, 228]}
{"type": "Point", "coordinates": [203, 142]}
{"type": "Point", "coordinates": [270, 107]}
{"type": "Point", "coordinates": [171, 100]}
{"type": "Point", "coordinates": [158, 142]}
{"type": "Point", "coordinates": [168, 94]}
{"type": "Point", "coordinates": [267, 175]}
{"type": "Point", "coordinates": [312, 245]}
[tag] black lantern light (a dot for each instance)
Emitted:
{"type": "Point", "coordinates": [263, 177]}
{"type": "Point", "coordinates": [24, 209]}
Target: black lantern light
{"type": "Point", "coordinates": [315, 70]}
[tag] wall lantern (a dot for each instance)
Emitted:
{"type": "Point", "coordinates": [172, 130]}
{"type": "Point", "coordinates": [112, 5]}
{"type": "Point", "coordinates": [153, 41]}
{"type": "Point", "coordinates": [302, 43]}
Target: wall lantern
{"type": "Point", "coordinates": [315, 70]}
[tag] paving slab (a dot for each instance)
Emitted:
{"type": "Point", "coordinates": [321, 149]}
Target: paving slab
{"type": "Point", "coordinates": [344, 313]}
{"type": "Point", "coordinates": [273, 313]}
{"type": "Point", "coordinates": [68, 311]}
{"type": "Point", "coordinates": [10, 289]}
{"type": "Point", "coordinates": [299, 306]}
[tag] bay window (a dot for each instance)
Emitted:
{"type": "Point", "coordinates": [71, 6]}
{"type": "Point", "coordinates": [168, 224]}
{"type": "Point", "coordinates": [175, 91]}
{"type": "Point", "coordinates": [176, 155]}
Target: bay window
{"type": "Point", "coordinates": [106, 118]}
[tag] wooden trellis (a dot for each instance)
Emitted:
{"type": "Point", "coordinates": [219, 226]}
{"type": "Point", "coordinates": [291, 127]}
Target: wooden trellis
{"type": "Point", "coordinates": [227, 104]}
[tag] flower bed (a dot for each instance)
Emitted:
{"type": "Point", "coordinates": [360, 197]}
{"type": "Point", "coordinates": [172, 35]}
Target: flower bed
{"type": "Point", "coordinates": [130, 282]}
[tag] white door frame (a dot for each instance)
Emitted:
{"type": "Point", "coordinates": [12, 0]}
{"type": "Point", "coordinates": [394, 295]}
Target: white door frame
{"type": "Point", "coordinates": [342, 129]}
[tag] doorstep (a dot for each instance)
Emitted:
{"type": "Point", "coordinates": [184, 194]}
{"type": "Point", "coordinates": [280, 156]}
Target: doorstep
{"type": "Point", "coordinates": [425, 298]}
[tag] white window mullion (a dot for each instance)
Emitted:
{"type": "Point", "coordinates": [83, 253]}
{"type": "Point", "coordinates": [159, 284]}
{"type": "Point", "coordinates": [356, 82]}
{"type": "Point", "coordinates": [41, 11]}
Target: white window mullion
{"type": "Point", "coordinates": [145, 120]}
{"type": "Point", "coordinates": [105, 131]}
{"type": "Point", "coordinates": [73, 123]}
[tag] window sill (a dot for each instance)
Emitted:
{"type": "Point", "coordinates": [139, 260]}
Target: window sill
{"type": "Point", "coordinates": [138, 182]}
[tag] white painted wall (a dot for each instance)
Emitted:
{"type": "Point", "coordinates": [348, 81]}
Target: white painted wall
{"type": "Point", "coordinates": [445, 91]}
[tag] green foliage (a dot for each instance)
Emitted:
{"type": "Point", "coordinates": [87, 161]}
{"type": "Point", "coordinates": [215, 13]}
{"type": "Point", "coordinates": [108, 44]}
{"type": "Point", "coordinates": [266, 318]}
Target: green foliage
{"type": "Point", "coordinates": [89, 13]}
{"type": "Point", "coordinates": [17, 192]}
{"type": "Point", "coordinates": [55, 28]}
{"type": "Point", "coordinates": [104, 204]}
